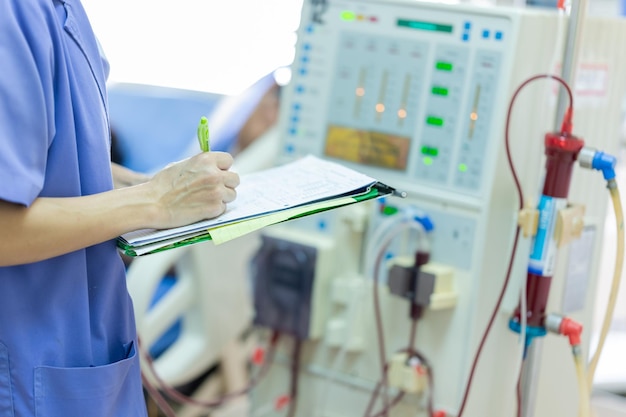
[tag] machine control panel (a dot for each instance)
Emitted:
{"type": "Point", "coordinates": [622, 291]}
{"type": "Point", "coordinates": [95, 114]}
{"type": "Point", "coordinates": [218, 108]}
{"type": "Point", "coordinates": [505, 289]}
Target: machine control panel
{"type": "Point", "coordinates": [405, 94]}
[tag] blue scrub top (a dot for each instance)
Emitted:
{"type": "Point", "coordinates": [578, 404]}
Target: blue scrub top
{"type": "Point", "coordinates": [67, 335]}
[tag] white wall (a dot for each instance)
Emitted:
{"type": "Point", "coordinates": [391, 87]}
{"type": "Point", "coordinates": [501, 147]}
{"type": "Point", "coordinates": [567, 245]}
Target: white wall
{"type": "Point", "coordinates": [605, 7]}
{"type": "Point", "coordinates": [219, 46]}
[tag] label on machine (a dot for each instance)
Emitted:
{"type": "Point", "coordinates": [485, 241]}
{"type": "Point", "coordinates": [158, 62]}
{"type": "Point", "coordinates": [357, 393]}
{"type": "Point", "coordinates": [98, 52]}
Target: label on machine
{"type": "Point", "coordinates": [543, 255]}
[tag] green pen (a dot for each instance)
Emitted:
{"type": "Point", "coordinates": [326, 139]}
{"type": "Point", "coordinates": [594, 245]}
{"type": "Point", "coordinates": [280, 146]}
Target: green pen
{"type": "Point", "coordinates": [203, 134]}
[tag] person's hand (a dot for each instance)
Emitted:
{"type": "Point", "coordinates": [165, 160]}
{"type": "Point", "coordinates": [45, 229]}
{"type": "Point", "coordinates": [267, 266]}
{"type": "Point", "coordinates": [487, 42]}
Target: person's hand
{"type": "Point", "coordinates": [195, 189]}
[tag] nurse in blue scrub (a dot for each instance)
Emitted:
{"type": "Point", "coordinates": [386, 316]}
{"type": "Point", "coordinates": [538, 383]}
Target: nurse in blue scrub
{"type": "Point", "coordinates": [67, 337]}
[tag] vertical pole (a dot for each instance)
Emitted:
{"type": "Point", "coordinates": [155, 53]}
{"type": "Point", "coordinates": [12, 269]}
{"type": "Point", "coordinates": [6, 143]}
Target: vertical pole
{"type": "Point", "coordinates": [570, 55]}
{"type": "Point", "coordinates": [530, 376]}
{"type": "Point", "coordinates": [531, 364]}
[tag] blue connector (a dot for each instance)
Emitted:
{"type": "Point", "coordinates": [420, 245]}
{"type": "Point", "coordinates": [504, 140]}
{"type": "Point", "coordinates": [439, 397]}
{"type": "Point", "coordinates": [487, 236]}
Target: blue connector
{"type": "Point", "coordinates": [600, 161]}
{"type": "Point", "coordinates": [605, 163]}
{"type": "Point", "coordinates": [420, 217]}
{"type": "Point", "coordinates": [410, 213]}
{"type": "Point", "coordinates": [426, 222]}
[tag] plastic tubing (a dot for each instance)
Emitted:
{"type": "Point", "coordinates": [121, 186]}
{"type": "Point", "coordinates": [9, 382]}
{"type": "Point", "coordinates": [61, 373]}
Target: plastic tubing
{"type": "Point", "coordinates": [617, 275]}
{"type": "Point", "coordinates": [584, 409]}
{"type": "Point", "coordinates": [384, 234]}
{"type": "Point", "coordinates": [406, 215]}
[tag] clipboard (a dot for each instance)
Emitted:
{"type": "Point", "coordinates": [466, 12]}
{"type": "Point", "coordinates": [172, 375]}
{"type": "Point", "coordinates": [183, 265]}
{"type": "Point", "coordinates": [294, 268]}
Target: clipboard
{"type": "Point", "coordinates": [300, 188]}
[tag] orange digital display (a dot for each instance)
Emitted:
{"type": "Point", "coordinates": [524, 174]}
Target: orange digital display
{"type": "Point", "coordinates": [367, 147]}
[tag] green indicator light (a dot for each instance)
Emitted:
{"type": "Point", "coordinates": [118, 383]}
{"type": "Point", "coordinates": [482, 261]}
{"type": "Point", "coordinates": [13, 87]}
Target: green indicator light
{"type": "Point", "coordinates": [427, 160]}
{"type": "Point", "coordinates": [427, 150]}
{"type": "Point", "coordinates": [389, 210]}
{"type": "Point", "coordinates": [347, 15]}
{"type": "Point", "coordinates": [440, 91]}
{"type": "Point", "coordinates": [444, 66]}
{"type": "Point", "coordinates": [462, 167]}
{"type": "Point", "coordinates": [421, 25]}
{"type": "Point", "coordinates": [434, 121]}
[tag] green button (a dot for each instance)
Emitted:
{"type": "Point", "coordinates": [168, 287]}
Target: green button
{"type": "Point", "coordinates": [430, 151]}
{"type": "Point", "coordinates": [434, 121]}
{"type": "Point", "coordinates": [444, 66]}
{"type": "Point", "coordinates": [389, 210]}
{"type": "Point", "coordinates": [440, 91]}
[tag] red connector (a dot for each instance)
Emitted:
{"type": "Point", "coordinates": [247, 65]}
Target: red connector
{"type": "Point", "coordinates": [564, 326]}
{"type": "Point", "coordinates": [572, 330]}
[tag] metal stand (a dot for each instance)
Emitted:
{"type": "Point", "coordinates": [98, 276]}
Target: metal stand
{"type": "Point", "coordinates": [570, 56]}
{"type": "Point", "coordinates": [530, 375]}
{"type": "Point", "coordinates": [531, 365]}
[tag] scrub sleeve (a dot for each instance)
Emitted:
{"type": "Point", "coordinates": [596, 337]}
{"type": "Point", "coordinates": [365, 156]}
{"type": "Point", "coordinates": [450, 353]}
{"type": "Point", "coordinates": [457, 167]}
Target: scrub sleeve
{"type": "Point", "coordinates": [67, 333]}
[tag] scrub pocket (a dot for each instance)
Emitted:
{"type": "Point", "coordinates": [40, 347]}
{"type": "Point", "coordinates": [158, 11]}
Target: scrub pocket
{"type": "Point", "coordinates": [6, 397]}
{"type": "Point", "coordinates": [111, 390]}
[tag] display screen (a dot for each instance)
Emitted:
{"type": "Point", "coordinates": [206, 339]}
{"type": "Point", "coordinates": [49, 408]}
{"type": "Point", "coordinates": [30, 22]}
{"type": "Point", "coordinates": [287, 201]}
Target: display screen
{"type": "Point", "coordinates": [367, 147]}
{"type": "Point", "coordinates": [421, 25]}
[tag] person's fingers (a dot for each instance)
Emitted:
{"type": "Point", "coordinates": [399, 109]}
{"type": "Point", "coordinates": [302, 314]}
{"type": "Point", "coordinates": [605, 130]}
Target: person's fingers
{"type": "Point", "coordinates": [231, 179]}
{"type": "Point", "coordinates": [222, 160]}
{"type": "Point", "coordinates": [215, 209]}
{"type": "Point", "coordinates": [229, 195]}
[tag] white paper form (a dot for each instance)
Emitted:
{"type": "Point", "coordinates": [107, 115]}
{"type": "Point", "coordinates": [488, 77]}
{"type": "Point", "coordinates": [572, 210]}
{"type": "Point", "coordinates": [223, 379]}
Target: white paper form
{"type": "Point", "coordinates": [303, 181]}
{"type": "Point", "coordinates": [234, 230]}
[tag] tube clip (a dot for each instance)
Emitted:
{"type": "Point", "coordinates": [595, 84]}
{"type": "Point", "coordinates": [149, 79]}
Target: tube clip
{"type": "Point", "coordinates": [569, 224]}
{"type": "Point", "coordinates": [528, 221]}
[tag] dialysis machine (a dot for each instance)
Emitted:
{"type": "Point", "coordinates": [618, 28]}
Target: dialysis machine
{"type": "Point", "coordinates": [416, 95]}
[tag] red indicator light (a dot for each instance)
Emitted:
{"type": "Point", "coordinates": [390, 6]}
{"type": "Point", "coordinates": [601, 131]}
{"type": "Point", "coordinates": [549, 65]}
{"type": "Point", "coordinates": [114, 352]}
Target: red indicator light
{"type": "Point", "coordinates": [281, 402]}
{"type": "Point", "coordinates": [258, 356]}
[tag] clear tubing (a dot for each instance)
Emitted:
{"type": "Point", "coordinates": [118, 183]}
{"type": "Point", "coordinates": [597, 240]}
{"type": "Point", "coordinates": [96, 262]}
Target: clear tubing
{"type": "Point", "coordinates": [383, 229]}
{"type": "Point", "coordinates": [382, 237]}
{"type": "Point", "coordinates": [374, 242]}
{"type": "Point", "coordinates": [617, 275]}
{"type": "Point", "coordinates": [584, 409]}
